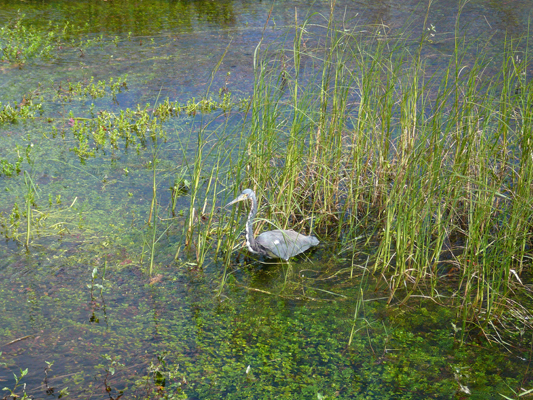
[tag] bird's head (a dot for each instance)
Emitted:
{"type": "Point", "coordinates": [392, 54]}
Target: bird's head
{"type": "Point", "coordinates": [245, 195]}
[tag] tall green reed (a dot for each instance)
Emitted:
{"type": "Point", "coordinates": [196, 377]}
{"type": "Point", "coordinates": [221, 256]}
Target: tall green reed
{"type": "Point", "coordinates": [431, 163]}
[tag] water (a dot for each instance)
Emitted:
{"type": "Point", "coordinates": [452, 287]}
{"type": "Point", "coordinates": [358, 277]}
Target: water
{"type": "Point", "coordinates": [81, 297]}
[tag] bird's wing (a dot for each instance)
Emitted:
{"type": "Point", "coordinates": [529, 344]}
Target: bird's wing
{"type": "Point", "coordinates": [285, 244]}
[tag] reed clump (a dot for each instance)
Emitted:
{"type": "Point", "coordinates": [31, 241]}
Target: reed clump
{"type": "Point", "coordinates": [360, 138]}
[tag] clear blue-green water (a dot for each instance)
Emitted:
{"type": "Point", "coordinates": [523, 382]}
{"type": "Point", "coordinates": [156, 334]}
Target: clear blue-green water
{"type": "Point", "coordinates": [81, 297]}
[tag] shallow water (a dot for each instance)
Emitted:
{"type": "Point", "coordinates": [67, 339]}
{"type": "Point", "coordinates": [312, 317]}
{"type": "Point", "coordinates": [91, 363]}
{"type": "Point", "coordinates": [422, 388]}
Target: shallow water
{"type": "Point", "coordinates": [81, 296]}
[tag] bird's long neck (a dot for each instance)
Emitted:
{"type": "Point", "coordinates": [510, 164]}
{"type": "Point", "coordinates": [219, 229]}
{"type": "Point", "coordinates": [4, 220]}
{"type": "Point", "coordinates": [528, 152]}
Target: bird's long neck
{"type": "Point", "coordinates": [250, 239]}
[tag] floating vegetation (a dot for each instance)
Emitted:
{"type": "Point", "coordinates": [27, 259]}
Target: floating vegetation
{"type": "Point", "coordinates": [16, 112]}
{"type": "Point", "coordinates": [23, 42]}
{"type": "Point", "coordinates": [93, 90]}
{"type": "Point", "coordinates": [415, 177]}
{"type": "Point", "coordinates": [10, 169]}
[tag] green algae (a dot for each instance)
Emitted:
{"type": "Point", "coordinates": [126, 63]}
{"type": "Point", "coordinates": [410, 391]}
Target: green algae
{"type": "Point", "coordinates": [81, 297]}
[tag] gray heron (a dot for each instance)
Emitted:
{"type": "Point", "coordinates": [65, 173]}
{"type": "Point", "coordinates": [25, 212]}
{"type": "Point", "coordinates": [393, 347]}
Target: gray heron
{"type": "Point", "coordinates": [278, 243]}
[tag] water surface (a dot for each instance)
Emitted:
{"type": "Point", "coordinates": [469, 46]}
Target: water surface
{"type": "Point", "coordinates": [81, 296]}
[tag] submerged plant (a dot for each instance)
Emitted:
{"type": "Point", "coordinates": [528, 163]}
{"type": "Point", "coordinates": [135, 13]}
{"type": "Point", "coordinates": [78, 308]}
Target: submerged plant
{"type": "Point", "coordinates": [12, 392]}
{"type": "Point", "coordinates": [415, 175]}
{"type": "Point", "coordinates": [22, 41]}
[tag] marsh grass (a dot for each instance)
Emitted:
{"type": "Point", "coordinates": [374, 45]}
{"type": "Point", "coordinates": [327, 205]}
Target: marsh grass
{"type": "Point", "coordinates": [355, 135]}
{"type": "Point", "coordinates": [415, 178]}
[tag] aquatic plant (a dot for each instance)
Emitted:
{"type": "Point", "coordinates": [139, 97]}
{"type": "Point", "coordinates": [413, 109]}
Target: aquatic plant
{"type": "Point", "coordinates": [431, 164]}
{"type": "Point", "coordinates": [415, 178]}
{"type": "Point", "coordinates": [22, 41]}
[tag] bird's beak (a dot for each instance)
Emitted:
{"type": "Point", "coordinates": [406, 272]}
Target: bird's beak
{"type": "Point", "coordinates": [240, 198]}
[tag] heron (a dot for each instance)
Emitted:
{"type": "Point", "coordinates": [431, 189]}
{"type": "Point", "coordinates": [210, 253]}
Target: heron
{"type": "Point", "coordinates": [279, 243]}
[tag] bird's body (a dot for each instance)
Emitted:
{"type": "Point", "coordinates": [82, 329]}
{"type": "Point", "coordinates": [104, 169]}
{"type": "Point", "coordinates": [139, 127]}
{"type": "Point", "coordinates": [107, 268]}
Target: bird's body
{"type": "Point", "coordinates": [279, 243]}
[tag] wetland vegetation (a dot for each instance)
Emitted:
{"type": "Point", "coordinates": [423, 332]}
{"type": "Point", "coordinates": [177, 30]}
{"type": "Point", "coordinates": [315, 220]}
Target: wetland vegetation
{"type": "Point", "coordinates": [123, 276]}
